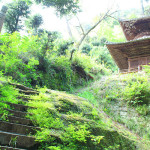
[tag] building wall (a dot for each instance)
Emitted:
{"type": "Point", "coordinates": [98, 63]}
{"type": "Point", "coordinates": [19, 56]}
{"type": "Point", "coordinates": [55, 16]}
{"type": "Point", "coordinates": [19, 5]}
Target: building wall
{"type": "Point", "coordinates": [136, 63]}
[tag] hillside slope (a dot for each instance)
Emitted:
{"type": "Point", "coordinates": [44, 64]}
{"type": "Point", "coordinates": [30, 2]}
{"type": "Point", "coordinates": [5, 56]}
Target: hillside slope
{"type": "Point", "coordinates": [125, 99]}
{"type": "Point", "coordinates": [62, 121]}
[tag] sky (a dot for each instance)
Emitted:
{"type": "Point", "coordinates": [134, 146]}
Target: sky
{"type": "Point", "coordinates": [90, 9]}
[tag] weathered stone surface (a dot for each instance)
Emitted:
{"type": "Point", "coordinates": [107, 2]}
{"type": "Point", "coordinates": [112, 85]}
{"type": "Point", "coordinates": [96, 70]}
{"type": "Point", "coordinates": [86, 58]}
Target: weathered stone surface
{"type": "Point", "coordinates": [17, 113]}
{"type": "Point", "coordinates": [14, 133]}
{"type": "Point", "coordinates": [17, 128]}
{"type": "Point", "coordinates": [24, 121]}
{"type": "Point", "coordinates": [19, 107]}
{"type": "Point", "coordinates": [28, 92]}
{"type": "Point", "coordinates": [21, 141]}
{"type": "Point", "coordinates": [10, 148]}
{"type": "Point", "coordinates": [22, 87]}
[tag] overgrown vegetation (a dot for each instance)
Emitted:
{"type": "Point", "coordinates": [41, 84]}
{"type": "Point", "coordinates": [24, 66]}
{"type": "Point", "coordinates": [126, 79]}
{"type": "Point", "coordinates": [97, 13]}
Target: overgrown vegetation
{"type": "Point", "coordinates": [66, 121]}
{"type": "Point", "coordinates": [44, 60]}
{"type": "Point", "coordinates": [126, 98]}
{"type": "Point", "coordinates": [7, 94]}
{"type": "Point", "coordinates": [70, 122]}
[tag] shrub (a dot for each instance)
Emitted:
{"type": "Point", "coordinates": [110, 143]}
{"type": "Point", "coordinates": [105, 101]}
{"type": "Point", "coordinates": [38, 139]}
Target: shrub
{"type": "Point", "coordinates": [86, 48]}
{"type": "Point", "coordinates": [45, 60]}
{"type": "Point", "coordinates": [137, 91]}
{"type": "Point", "coordinates": [7, 94]}
{"type": "Point", "coordinates": [16, 57]}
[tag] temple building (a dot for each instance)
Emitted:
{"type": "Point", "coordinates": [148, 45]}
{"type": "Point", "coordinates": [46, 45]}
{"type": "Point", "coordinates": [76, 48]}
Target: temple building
{"type": "Point", "coordinates": [131, 55]}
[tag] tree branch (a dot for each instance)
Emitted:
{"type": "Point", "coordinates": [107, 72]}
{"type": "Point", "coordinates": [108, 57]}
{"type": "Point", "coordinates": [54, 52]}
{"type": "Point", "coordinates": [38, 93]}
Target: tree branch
{"type": "Point", "coordinates": [80, 25]}
{"type": "Point", "coordinates": [94, 26]}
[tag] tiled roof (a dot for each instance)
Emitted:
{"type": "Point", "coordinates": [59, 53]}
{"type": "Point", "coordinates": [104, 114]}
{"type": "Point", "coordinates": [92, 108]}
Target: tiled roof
{"type": "Point", "coordinates": [135, 48]}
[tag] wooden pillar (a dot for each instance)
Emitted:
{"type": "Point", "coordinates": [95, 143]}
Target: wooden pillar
{"type": "Point", "coordinates": [129, 66]}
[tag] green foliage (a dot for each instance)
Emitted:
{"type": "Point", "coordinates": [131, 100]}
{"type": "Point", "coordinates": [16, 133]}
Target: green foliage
{"type": "Point", "coordinates": [51, 123]}
{"type": "Point", "coordinates": [101, 55]}
{"type": "Point", "coordinates": [70, 122]}
{"type": "Point", "coordinates": [45, 60]}
{"type": "Point", "coordinates": [54, 148]}
{"type": "Point", "coordinates": [62, 46]}
{"type": "Point", "coordinates": [13, 141]}
{"type": "Point", "coordinates": [89, 64]}
{"type": "Point", "coordinates": [86, 48]}
{"type": "Point", "coordinates": [88, 95]}
{"type": "Point", "coordinates": [17, 11]}
{"type": "Point", "coordinates": [59, 73]}
{"type": "Point", "coordinates": [15, 60]}
{"type": "Point", "coordinates": [96, 46]}
{"type": "Point", "coordinates": [78, 133]}
{"type": "Point", "coordinates": [34, 22]}
{"type": "Point", "coordinates": [143, 109]}
{"type": "Point", "coordinates": [62, 7]}
{"type": "Point", "coordinates": [110, 30]}
{"type": "Point", "coordinates": [7, 94]}
{"type": "Point", "coordinates": [137, 91]}
{"type": "Point", "coordinates": [125, 99]}
{"type": "Point", "coordinates": [146, 69]}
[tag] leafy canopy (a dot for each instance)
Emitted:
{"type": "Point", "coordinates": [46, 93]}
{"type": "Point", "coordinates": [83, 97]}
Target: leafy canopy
{"type": "Point", "coordinates": [34, 22]}
{"type": "Point", "coordinates": [17, 10]}
{"type": "Point", "coordinates": [63, 7]}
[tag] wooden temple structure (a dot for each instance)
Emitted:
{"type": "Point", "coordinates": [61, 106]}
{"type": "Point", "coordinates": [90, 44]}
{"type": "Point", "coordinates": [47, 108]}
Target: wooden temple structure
{"type": "Point", "coordinates": [132, 55]}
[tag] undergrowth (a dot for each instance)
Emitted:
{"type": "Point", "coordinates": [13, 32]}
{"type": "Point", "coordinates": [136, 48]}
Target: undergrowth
{"type": "Point", "coordinates": [126, 98]}
{"type": "Point", "coordinates": [70, 122]}
{"type": "Point", "coordinates": [45, 61]}
{"type": "Point", "coordinates": [7, 94]}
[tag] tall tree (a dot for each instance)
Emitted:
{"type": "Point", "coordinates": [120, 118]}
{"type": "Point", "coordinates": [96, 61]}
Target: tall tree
{"type": "Point", "coordinates": [17, 11]}
{"type": "Point", "coordinates": [63, 7]}
{"type": "Point", "coordinates": [34, 22]}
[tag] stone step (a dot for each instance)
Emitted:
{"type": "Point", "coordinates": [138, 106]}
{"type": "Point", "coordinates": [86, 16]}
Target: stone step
{"type": "Point", "coordinates": [17, 140]}
{"type": "Point", "coordinates": [17, 128]}
{"type": "Point", "coordinates": [22, 87]}
{"type": "Point", "coordinates": [18, 107]}
{"type": "Point", "coordinates": [28, 92]}
{"type": "Point", "coordinates": [16, 113]}
{"type": "Point", "coordinates": [10, 148]}
{"type": "Point", "coordinates": [24, 98]}
{"type": "Point", "coordinates": [24, 121]}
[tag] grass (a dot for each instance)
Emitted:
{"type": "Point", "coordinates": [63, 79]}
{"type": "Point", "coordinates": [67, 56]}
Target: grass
{"type": "Point", "coordinates": [71, 122]}
{"type": "Point", "coordinates": [124, 98]}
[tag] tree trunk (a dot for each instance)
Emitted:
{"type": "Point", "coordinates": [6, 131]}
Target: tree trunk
{"type": "Point", "coordinates": [16, 24]}
{"type": "Point", "coordinates": [68, 28]}
{"type": "Point", "coordinates": [142, 7]}
{"type": "Point", "coordinates": [93, 27]}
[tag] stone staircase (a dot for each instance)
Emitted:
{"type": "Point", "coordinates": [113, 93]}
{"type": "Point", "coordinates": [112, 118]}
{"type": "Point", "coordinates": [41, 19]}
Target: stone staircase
{"type": "Point", "coordinates": [17, 132]}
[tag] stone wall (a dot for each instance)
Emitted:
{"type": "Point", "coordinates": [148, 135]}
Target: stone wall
{"type": "Point", "coordinates": [2, 16]}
